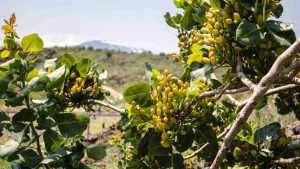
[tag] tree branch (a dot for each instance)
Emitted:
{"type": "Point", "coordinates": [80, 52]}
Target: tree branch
{"type": "Point", "coordinates": [259, 91]}
{"type": "Point", "coordinates": [241, 75]}
{"type": "Point", "coordinates": [276, 91]}
{"type": "Point", "coordinates": [106, 105]}
{"type": "Point", "coordinates": [224, 89]}
{"type": "Point", "coordinates": [195, 100]}
{"type": "Point", "coordinates": [295, 160]}
{"type": "Point", "coordinates": [294, 66]}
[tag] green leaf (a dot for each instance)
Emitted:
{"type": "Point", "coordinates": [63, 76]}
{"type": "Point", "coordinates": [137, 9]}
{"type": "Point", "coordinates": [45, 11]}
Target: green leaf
{"type": "Point", "coordinates": [249, 33]}
{"type": "Point", "coordinates": [52, 140]}
{"type": "Point", "coordinates": [32, 43]}
{"type": "Point", "coordinates": [14, 101]}
{"type": "Point", "coordinates": [269, 131]}
{"type": "Point", "coordinates": [196, 55]}
{"type": "Point", "coordinates": [179, 3]}
{"type": "Point", "coordinates": [71, 124]}
{"type": "Point", "coordinates": [186, 75]}
{"type": "Point", "coordinates": [282, 33]}
{"type": "Point", "coordinates": [85, 166]}
{"type": "Point", "coordinates": [4, 81]}
{"type": "Point", "coordinates": [199, 16]}
{"type": "Point", "coordinates": [217, 3]}
{"type": "Point", "coordinates": [187, 20]}
{"type": "Point", "coordinates": [140, 93]}
{"type": "Point", "coordinates": [185, 141]}
{"type": "Point", "coordinates": [170, 21]}
{"type": "Point", "coordinates": [32, 74]}
{"type": "Point", "coordinates": [277, 11]}
{"type": "Point", "coordinates": [9, 43]}
{"type": "Point", "coordinates": [5, 164]}
{"type": "Point", "coordinates": [148, 71]}
{"type": "Point", "coordinates": [30, 158]}
{"type": "Point", "coordinates": [45, 123]}
{"type": "Point", "coordinates": [178, 161]}
{"type": "Point", "coordinates": [56, 78]}
{"type": "Point", "coordinates": [96, 153]}
{"type": "Point", "coordinates": [154, 146]}
{"type": "Point", "coordinates": [83, 66]}
{"type": "Point", "coordinates": [67, 60]}
{"type": "Point", "coordinates": [207, 134]}
{"type": "Point", "coordinates": [25, 115]}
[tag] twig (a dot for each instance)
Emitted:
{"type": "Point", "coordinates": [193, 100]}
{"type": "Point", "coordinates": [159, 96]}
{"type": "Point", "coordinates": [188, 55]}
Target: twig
{"type": "Point", "coordinates": [295, 160]}
{"type": "Point", "coordinates": [195, 100]}
{"type": "Point", "coordinates": [259, 91]}
{"type": "Point", "coordinates": [294, 66]}
{"type": "Point", "coordinates": [206, 144]}
{"type": "Point", "coordinates": [241, 75]}
{"type": "Point", "coordinates": [106, 105]}
{"type": "Point", "coordinates": [296, 80]}
{"type": "Point", "coordinates": [276, 91]}
{"type": "Point", "coordinates": [294, 145]}
{"type": "Point", "coordinates": [224, 89]}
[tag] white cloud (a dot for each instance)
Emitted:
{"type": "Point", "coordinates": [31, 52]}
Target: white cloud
{"type": "Point", "coordinates": [61, 39]}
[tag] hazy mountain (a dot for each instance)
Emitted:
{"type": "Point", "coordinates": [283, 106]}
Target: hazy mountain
{"type": "Point", "coordinates": [97, 44]}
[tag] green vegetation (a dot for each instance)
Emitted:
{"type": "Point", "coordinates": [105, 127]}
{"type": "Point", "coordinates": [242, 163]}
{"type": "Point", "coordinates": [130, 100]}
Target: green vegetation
{"type": "Point", "coordinates": [123, 68]}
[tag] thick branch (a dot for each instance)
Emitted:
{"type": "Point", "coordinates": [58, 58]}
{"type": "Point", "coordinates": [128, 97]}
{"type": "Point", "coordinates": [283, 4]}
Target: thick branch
{"type": "Point", "coordinates": [107, 105]}
{"type": "Point", "coordinates": [241, 75]}
{"type": "Point", "coordinates": [259, 91]}
{"type": "Point", "coordinates": [283, 161]}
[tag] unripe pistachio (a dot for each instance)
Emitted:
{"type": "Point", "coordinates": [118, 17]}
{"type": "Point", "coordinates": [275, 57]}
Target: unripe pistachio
{"type": "Point", "coordinates": [152, 111]}
{"type": "Point", "coordinates": [237, 17]}
{"type": "Point", "coordinates": [219, 40]}
{"type": "Point", "coordinates": [142, 111]}
{"type": "Point", "coordinates": [89, 89]}
{"type": "Point", "coordinates": [228, 21]}
{"type": "Point", "coordinates": [165, 144]}
{"type": "Point", "coordinates": [217, 25]}
{"type": "Point", "coordinates": [133, 103]}
{"type": "Point", "coordinates": [73, 75]}
{"type": "Point", "coordinates": [180, 83]}
{"type": "Point", "coordinates": [83, 91]}
{"type": "Point", "coordinates": [205, 60]}
{"type": "Point", "coordinates": [96, 85]}
{"type": "Point", "coordinates": [170, 95]}
{"type": "Point", "coordinates": [215, 32]}
{"type": "Point", "coordinates": [158, 111]}
{"type": "Point", "coordinates": [71, 104]}
{"type": "Point", "coordinates": [166, 72]}
{"type": "Point", "coordinates": [91, 76]}
{"type": "Point", "coordinates": [159, 105]}
{"type": "Point", "coordinates": [163, 136]}
{"type": "Point", "coordinates": [173, 120]}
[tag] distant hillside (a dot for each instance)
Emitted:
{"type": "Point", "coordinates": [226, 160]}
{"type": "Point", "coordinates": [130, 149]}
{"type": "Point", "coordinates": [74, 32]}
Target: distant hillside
{"type": "Point", "coordinates": [97, 44]}
{"type": "Point", "coordinates": [123, 68]}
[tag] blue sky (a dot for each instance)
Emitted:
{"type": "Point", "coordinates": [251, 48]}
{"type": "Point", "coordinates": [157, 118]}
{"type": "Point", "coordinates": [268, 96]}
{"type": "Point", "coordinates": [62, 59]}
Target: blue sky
{"type": "Point", "coordinates": [136, 23]}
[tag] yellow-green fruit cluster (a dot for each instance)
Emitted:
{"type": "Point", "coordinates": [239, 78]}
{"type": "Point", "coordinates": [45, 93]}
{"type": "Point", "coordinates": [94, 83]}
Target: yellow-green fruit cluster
{"type": "Point", "coordinates": [77, 88]}
{"type": "Point", "coordinates": [245, 150]}
{"type": "Point", "coordinates": [167, 97]}
{"type": "Point", "coordinates": [282, 141]}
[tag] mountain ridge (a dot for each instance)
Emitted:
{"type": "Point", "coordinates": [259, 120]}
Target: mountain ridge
{"type": "Point", "coordinates": [98, 44]}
